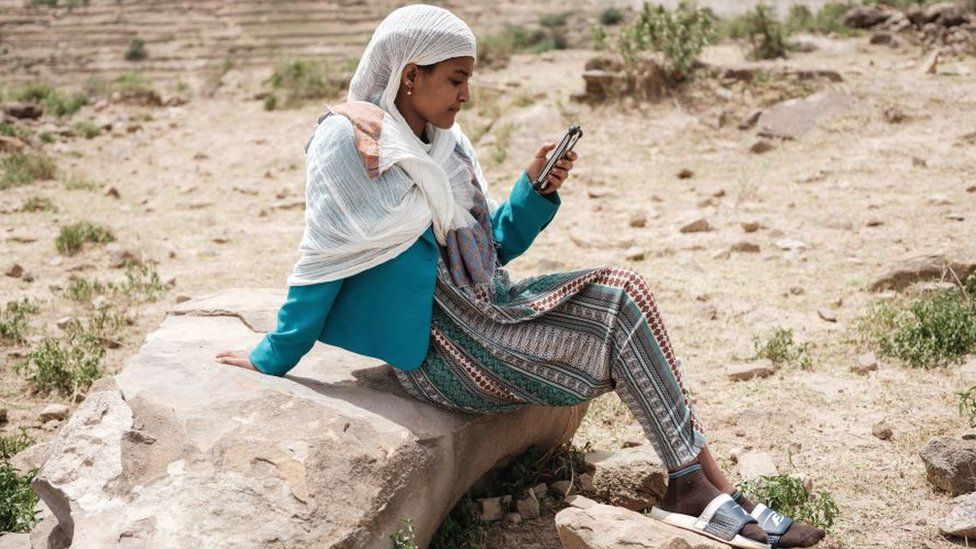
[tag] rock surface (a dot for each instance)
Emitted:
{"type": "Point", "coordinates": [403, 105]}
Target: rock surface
{"type": "Point", "coordinates": [634, 478]}
{"type": "Point", "coordinates": [795, 117]}
{"type": "Point", "coordinates": [183, 451]}
{"type": "Point", "coordinates": [950, 464]}
{"type": "Point", "coordinates": [910, 269]}
{"type": "Point", "coordinates": [591, 525]}
{"type": "Point", "coordinates": [961, 521]}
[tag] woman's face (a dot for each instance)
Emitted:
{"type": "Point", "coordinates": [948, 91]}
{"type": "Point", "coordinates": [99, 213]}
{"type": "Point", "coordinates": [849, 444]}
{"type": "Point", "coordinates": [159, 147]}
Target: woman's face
{"type": "Point", "coordinates": [438, 92]}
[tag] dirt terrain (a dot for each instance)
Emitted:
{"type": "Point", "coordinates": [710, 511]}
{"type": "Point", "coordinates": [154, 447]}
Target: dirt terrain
{"type": "Point", "coordinates": [213, 190]}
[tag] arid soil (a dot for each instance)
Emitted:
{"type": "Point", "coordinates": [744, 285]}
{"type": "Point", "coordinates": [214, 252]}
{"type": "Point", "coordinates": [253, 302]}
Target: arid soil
{"type": "Point", "coordinates": [213, 190]}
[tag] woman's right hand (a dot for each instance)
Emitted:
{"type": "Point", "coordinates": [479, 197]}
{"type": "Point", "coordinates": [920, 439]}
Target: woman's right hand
{"type": "Point", "coordinates": [236, 358]}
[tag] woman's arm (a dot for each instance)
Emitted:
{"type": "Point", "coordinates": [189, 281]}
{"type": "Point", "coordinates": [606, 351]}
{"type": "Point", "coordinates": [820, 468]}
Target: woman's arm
{"type": "Point", "coordinates": [517, 221]}
{"type": "Point", "coordinates": [300, 322]}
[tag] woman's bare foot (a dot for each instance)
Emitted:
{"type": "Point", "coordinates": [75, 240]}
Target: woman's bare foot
{"type": "Point", "coordinates": [690, 493]}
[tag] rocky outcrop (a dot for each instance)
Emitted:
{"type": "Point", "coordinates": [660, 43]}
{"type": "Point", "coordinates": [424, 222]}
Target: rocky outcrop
{"type": "Point", "coordinates": [950, 464]}
{"type": "Point", "coordinates": [938, 265]}
{"type": "Point", "coordinates": [186, 452]}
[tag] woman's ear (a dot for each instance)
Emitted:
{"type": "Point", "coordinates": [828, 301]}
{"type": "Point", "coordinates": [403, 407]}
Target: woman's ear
{"type": "Point", "coordinates": [409, 76]}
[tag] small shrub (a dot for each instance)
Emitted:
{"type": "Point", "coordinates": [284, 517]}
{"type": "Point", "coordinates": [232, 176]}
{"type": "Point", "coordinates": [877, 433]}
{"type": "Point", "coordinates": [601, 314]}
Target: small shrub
{"type": "Point", "coordinates": [830, 19]}
{"type": "Point", "coordinates": [43, 3]}
{"type": "Point", "coordinates": [611, 16]}
{"type": "Point", "coordinates": [462, 527]}
{"type": "Point", "coordinates": [87, 129]}
{"type": "Point", "coordinates": [926, 330]}
{"type": "Point", "coordinates": [780, 349]}
{"type": "Point", "coordinates": [11, 445]}
{"type": "Point", "coordinates": [46, 137]}
{"type": "Point", "coordinates": [552, 20]}
{"type": "Point", "coordinates": [270, 103]}
{"type": "Point", "coordinates": [404, 537]}
{"type": "Point", "coordinates": [18, 502]}
{"type": "Point", "coordinates": [55, 102]}
{"type": "Point", "coordinates": [10, 129]}
{"type": "Point", "coordinates": [73, 237]}
{"type": "Point", "coordinates": [967, 405]}
{"type": "Point", "coordinates": [131, 82]}
{"type": "Point", "coordinates": [599, 34]}
{"type": "Point", "coordinates": [142, 281]}
{"type": "Point", "coordinates": [788, 495]}
{"type": "Point", "coordinates": [38, 204]}
{"type": "Point", "coordinates": [65, 366]}
{"type": "Point", "coordinates": [800, 19]}
{"type": "Point", "coordinates": [83, 290]}
{"type": "Point", "coordinates": [680, 34]}
{"type": "Point", "coordinates": [303, 80]}
{"type": "Point", "coordinates": [766, 33]}
{"type": "Point", "coordinates": [13, 320]}
{"type": "Point", "coordinates": [25, 168]}
{"type": "Point", "coordinates": [136, 50]}
{"type": "Point", "coordinates": [496, 49]}
{"type": "Point", "coordinates": [80, 184]}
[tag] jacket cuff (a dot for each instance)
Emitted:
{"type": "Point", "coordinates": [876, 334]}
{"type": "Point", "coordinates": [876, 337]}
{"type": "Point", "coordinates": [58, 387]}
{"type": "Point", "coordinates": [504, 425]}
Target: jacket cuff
{"type": "Point", "coordinates": [541, 207]}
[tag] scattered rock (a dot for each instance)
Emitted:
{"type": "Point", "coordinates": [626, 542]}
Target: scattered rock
{"type": "Point", "coordinates": [910, 269]}
{"type": "Point", "coordinates": [866, 17]}
{"type": "Point", "coordinates": [793, 118]}
{"type": "Point", "coordinates": [604, 78]}
{"type": "Point", "coordinates": [634, 253]}
{"type": "Point", "coordinates": [882, 430]}
{"type": "Point", "coordinates": [789, 244]}
{"type": "Point", "coordinates": [120, 257]}
{"type": "Point", "coordinates": [797, 290]}
{"type": "Point", "coordinates": [750, 120]}
{"type": "Point", "coordinates": [109, 190]}
{"type": "Point", "coordinates": [874, 222]}
{"type": "Point", "coordinates": [10, 144]}
{"type": "Point", "coordinates": [749, 226]}
{"type": "Point", "coordinates": [561, 488]}
{"type": "Point", "coordinates": [686, 174]}
{"type": "Point", "coordinates": [919, 162]}
{"type": "Point", "coordinates": [15, 271]}
{"type": "Point", "coordinates": [752, 464]}
{"type": "Point", "coordinates": [761, 146]}
{"type": "Point", "coordinates": [749, 370]}
{"type": "Point", "coordinates": [638, 219]}
{"type": "Point", "coordinates": [23, 110]}
{"type": "Point", "coordinates": [633, 478]}
{"type": "Point", "coordinates": [697, 226]}
{"type": "Point", "coordinates": [54, 411]}
{"type": "Point", "coordinates": [746, 247]}
{"type": "Point", "coordinates": [865, 364]}
{"type": "Point", "coordinates": [63, 322]}
{"type": "Point", "coordinates": [183, 298]}
{"type": "Point", "coordinates": [528, 506]}
{"type": "Point", "coordinates": [893, 115]}
{"type": "Point", "coordinates": [827, 314]}
{"type": "Point", "coordinates": [490, 509]}
{"type": "Point", "coordinates": [511, 520]}
{"type": "Point", "coordinates": [598, 192]}
{"type": "Point", "coordinates": [587, 524]}
{"type": "Point", "coordinates": [950, 464]}
{"type": "Point", "coordinates": [882, 39]}
{"type": "Point", "coordinates": [961, 521]}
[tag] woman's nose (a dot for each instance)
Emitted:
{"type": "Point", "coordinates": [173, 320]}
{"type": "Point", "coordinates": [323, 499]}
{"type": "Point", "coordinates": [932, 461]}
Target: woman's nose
{"type": "Point", "coordinates": [464, 95]}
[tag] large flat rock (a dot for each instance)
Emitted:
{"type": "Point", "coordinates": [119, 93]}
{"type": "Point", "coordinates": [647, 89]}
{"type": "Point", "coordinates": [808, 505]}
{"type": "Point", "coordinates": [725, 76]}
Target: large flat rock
{"type": "Point", "coordinates": [181, 451]}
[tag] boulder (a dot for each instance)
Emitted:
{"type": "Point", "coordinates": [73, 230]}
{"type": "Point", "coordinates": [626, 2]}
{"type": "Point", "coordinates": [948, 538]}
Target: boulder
{"type": "Point", "coordinates": [634, 478]}
{"type": "Point", "coordinates": [587, 524]}
{"type": "Point", "coordinates": [23, 110]}
{"type": "Point", "coordinates": [961, 521]}
{"type": "Point", "coordinates": [865, 17]}
{"type": "Point", "coordinates": [10, 540]}
{"type": "Point", "coordinates": [793, 118]}
{"type": "Point", "coordinates": [180, 451]}
{"type": "Point", "coordinates": [950, 464]}
{"type": "Point", "coordinates": [938, 265]}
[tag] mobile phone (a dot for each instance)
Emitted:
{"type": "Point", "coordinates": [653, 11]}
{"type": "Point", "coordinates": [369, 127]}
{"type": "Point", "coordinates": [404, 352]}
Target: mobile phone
{"type": "Point", "coordinates": [566, 145]}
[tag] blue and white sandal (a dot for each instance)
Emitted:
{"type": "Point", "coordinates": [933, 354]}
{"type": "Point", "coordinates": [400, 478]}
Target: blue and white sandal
{"type": "Point", "coordinates": [773, 523]}
{"type": "Point", "coordinates": [722, 520]}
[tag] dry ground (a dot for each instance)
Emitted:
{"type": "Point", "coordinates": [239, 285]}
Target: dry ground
{"type": "Point", "coordinates": [217, 168]}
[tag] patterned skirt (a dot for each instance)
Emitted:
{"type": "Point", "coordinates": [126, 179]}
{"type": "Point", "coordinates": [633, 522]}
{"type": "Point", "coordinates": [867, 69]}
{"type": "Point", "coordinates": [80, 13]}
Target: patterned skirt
{"type": "Point", "coordinates": [557, 340]}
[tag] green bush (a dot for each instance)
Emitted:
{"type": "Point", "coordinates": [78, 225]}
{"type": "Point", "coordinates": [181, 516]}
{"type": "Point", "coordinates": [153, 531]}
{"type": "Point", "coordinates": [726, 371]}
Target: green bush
{"type": "Point", "coordinates": [65, 366]}
{"type": "Point", "coordinates": [13, 320]}
{"type": "Point", "coordinates": [76, 183]}
{"type": "Point", "coordinates": [830, 19]}
{"type": "Point", "coordinates": [967, 405]}
{"type": "Point", "coordinates": [38, 204]}
{"type": "Point", "coordinates": [136, 50]}
{"type": "Point", "coordinates": [780, 349]}
{"type": "Point", "coordinates": [83, 290]}
{"type": "Point", "coordinates": [404, 537]}
{"type": "Point", "coordinates": [496, 49]}
{"type": "Point", "coordinates": [25, 168]}
{"type": "Point", "coordinates": [87, 129]}
{"type": "Point", "coordinates": [73, 237]}
{"type": "Point", "coordinates": [926, 330]}
{"type": "Point", "coordinates": [303, 80]}
{"type": "Point", "coordinates": [18, 502]}
{"type": "Point", "coordinates": [554, 19]}
{"type": "Point", "coordinates": [11, 445]}
{"type": "Point", "coordinates": [611, 16]}
{"type": "Point", "coordinates": [800, 19]}
{"type": "Point", "coordinates": [680, 34]}
{"type": "Point", "coordinates": [788, 495]}
{"type": "Point", "coordinates": [13, 130]}
{"type": "Point", "coordinates": [270, 103]}
{"type": "Point", "coordinates": [766, 34]}
{"type": "Point", "coordinates": [55, 102]}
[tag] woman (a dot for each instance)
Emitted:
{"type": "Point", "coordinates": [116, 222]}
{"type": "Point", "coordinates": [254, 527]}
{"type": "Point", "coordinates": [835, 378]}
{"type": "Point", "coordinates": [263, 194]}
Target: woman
{"type": "Point", "coordinates": [402, 259]}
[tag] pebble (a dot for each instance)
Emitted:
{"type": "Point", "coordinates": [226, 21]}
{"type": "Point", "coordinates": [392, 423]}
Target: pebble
{"type": "Point", "coordinates": [697, 226]}
{"type": "Point", "coordinates": [528, 506]}
{"type": "Point", "coordinates": [750, 120]}
{"type": "Point", "coordinates": [15, 271]}
{"type": "Point", "coordinates": [54, 411]}
{"type": "Point", "coordinates": [561, 487]}
{"type": "Point", "coordinates": [490, 509]}
{"type": "Point", "coordinates": [866, 363]}
{"type": "Point", "coordinates": [882, 430]}
{"type": "Point", "coordinates": [686, 174]}
{"type": "Point", "coordinates": [638, 219]}
{"type": "Point", "coordinates": [789, 244]}
{"type": "Point", "coordinates": [919, 162]}
{"type": "Point", "coordinates": [761, 146]}
{"type": "Point", "coordinates": [827, 314]}
{"type": "Point", "coordinates": [746, 247]}
{"type": "Point", "coordinates": [634, 253]}
{"type": "Point", "coordinates": [749, 226]}
{"type": "Point", "coordinates": [540, 489]}
{"type": "Point", "coordinates": [511, 520]}
{"type": "Point", "coordinates": [109, 190]}
{"type": "Point", "coordinates": [63, 322]}
{"type": "Point", "coordinates": [749, 370]}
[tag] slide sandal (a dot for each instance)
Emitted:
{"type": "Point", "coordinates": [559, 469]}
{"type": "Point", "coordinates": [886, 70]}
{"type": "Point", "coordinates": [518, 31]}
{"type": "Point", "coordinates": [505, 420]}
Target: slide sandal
{"type": "Point", "coordinates": [722, 520]}
{"type": "Point", "coordinates": [773, 523]}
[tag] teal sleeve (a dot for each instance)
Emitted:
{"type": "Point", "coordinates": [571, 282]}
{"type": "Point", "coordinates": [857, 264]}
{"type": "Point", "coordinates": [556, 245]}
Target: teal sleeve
{"type": "Point", "coordinates": [521, 218]}
{"type": "Point", "coordinates": [300, 322]}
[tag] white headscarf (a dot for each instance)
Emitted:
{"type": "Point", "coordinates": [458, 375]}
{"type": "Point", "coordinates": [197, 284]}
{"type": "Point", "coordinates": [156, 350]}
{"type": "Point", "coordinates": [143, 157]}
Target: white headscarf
{"type": "Point", "coordinates": [350, 228]}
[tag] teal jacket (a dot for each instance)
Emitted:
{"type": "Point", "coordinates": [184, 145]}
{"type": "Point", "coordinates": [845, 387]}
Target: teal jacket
{"type": "Point", "coordinates": [385, 311]}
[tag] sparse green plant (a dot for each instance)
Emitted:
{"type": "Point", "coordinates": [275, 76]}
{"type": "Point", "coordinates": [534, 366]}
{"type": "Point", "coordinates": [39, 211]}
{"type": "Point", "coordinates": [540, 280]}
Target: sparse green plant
{"type": "Point", "coordinates": [404, 537]}
{"type": "Point", "coordinates": [554, 19]}
{"type": "Point", "coordinates": [925, 330]}
{"type": "Point", "coordinates": [74, 236]}
{"type": "Point", "coordinates": [302, 80]}
{"type": "Point", "coordinates": [462, 527]}
{"type": "Point", "coordinates": [13, 320]}
{"type": "Point", "coordinates": [789, 496]}
{"type": "Point", "coordinates": [780, 349]}
{"type": "Point", "coordinates": [765, 32]}
{"type": "Point", "coordinates": [800, 19]}
{"type": "Point", "coordinates": [55, 102]}
{"type": "Point", "coordinates": [18, 502]}
{"type": "Point", "coordinates": [830, 18]}
{"type": "Point", "coordinates": [77, 183]}
{"type": "Point", "coordinates": [46, 137]}
{"type": "Point", "coordinates": [14, 443]}
{"type": "Point", "coordinates": [87, 129]}
{"type": "Point", "coordinates": [38, 204]}
{"type": "Point", "coordinates": [132, 83]}
{"type": "Point", "coordinates": [142, 281]}
{"type": "Point", "coordinates": [82, 290]}
{"type": "Point", "coordinates": [270, 103]}
{"type": "Point", "coordinates": [136, 50]}
{"type": "Point", "coordinates": [967, 405]}
{"type": "Point", "coordinates": [25, 168]}
{"type": "Point", "coordinates": [679, 34]}
{"type": "Point", "coordinates": [10, 129]}
{"type": "Point", "coordinates": [496, 49]}
{"type": "Point", "coordinates": [599, 34]}
{"type": "Point", "coordinates": [611, 16]}
{"type": "Point", "coordinates": [43, 3]}
{"type": "Point", "coordinates": [66, 366]}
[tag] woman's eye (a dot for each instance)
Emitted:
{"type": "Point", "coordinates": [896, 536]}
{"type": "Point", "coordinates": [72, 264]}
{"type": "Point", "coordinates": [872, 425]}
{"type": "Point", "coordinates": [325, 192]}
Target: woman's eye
{"type": "Point", "coordinates": [456, 82]}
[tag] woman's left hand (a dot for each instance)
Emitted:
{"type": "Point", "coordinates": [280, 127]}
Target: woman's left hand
{"type": "Point", "coordinates": [559, 172]}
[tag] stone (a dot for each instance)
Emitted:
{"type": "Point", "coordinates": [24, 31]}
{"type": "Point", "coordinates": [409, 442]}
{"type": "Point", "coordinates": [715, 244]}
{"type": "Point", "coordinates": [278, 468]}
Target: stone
{"type": "Point", "coordinates": [511, 520]}
{"type": "Point", "coordinates": [633, 478]}
{"type": "Point", "coordinates": [54, 411]}
{"type": "Point", "coordinates": [882, 430]}
{"type": "Point", "coordinates": [490, 509]}
{"type": "Point", "coordinates": [638, 219]}
{"type": "Point", "coordinates": [866, 17]}
{"type": "Point", "coordinates": [749, 370]}
{"type": "Point", "coordinates": [14, 271]}
{"type": "Point", "coordinates": [23, 110]}
{"type": "Point", "coordinates": [950, 464]}
{"type": "Point", "coordinates": [528, 506]}
{"type": "Point", "coordinates": [587, 524]}
{"type": "Point", "coordinates": [586, 482]}
{"type": "Point", "coordinates": [686, 174]}
{"type": "Point", "coordinates": [10, 144]}
{"type": "Point", "coordinates": [866, 363]}
{"type": "Point", "coordinates": [749, 121]}
{"type": "Point", "coordinates": [894, 115]}
{"type": "Point", "coordinates": [197, 446]}
{"type": "Point", "coordinates": [540, 490]}
{"type": "Point", "coordinates": [919, 162]}
{"type": "Point", "coordinates": [827, 315]}
{"type": "Point", "coordinates": [793, 118]}
{"type": "Point", "coordinates": [119, 257]}
{"type": "Point", "coordinates": [10, 540]}
{"type": "Point", "coordinates": [745, 247]}
{"type": "Point", "coordinates": [961, 521]}
{"type": "Point", "coordinates": [881, 39]}
{"type": "Point", "coordinates": [63, 322]}
{"type": "Point", "coordinates": [31, 457]}
{"type": "Point", "coordinates": [111, 191]}
{"type": "Point", "coordinates": [561, 488]}
{"type": "Point", "coordinates": [790, 244]}
{"type": "Point", "coordinates": [761, 146]}
{"type": "Point", "coordinates": [699, 225]}
{"type": "Point", "coordinates": [937, 265]}
{"type": "Point", "coordinates": [634, 253]}
{"type": "Point", "coordinates": [749, 226]}
{"type": "Point", "coordinates": [752, 464]}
